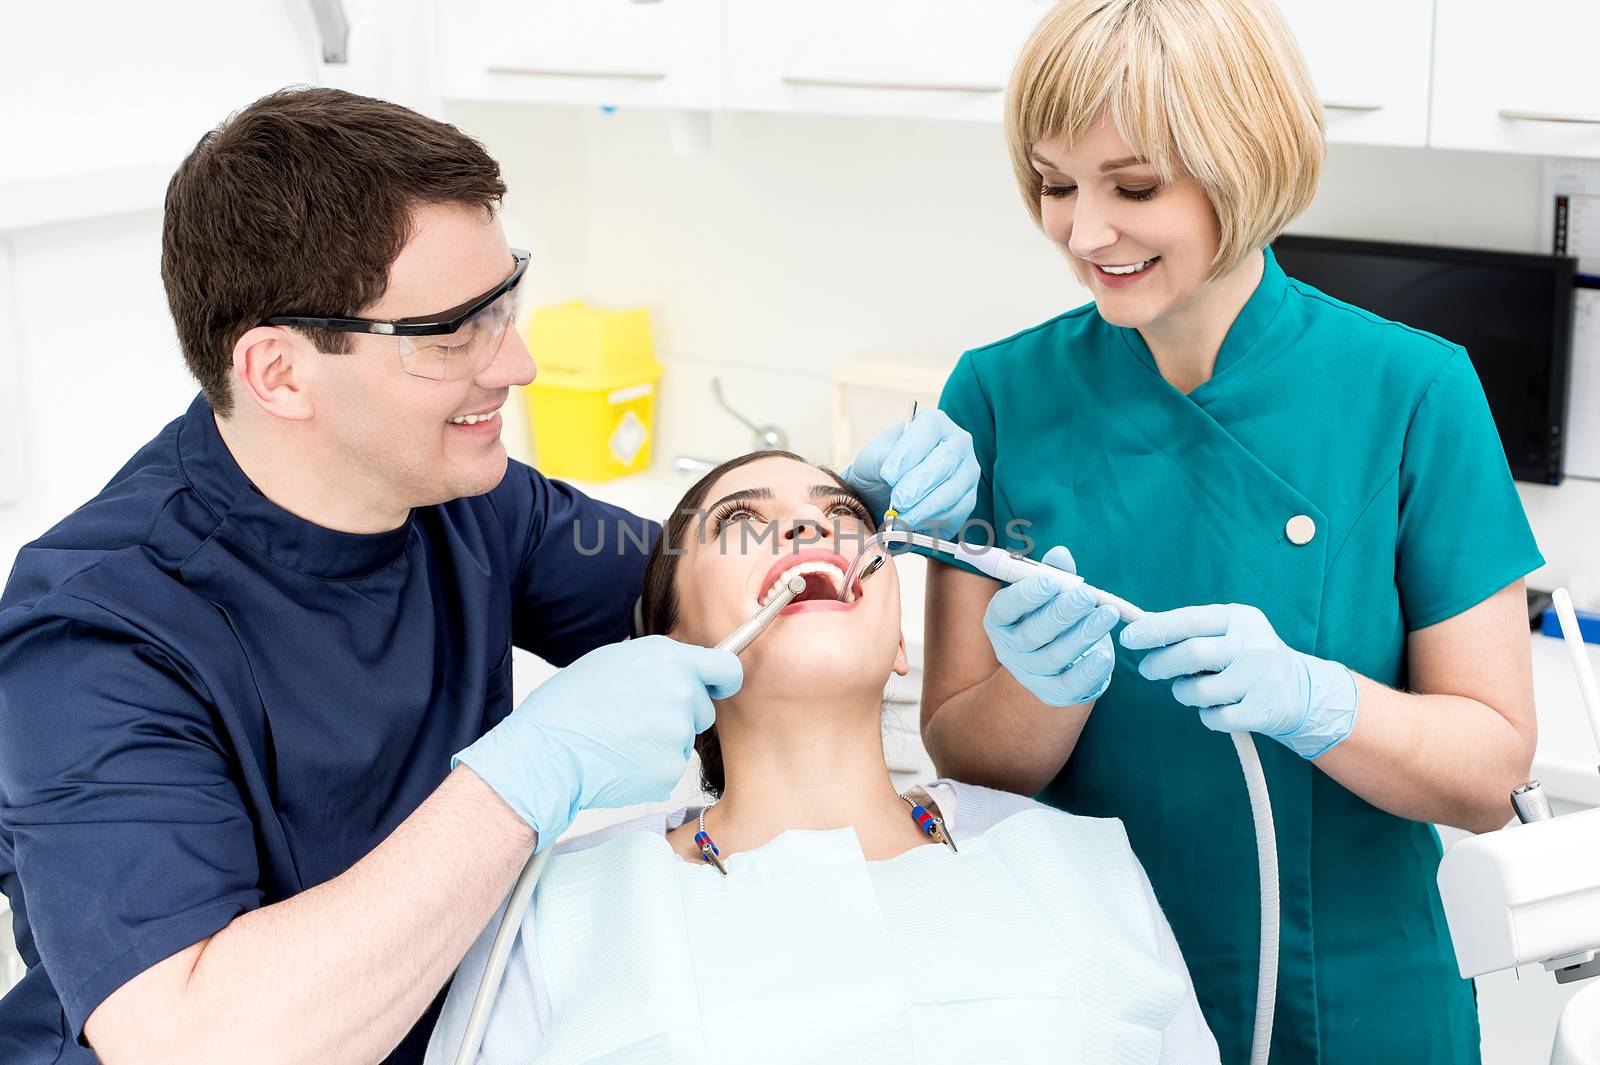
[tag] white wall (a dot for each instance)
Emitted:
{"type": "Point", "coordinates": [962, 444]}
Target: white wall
{"type": "Point", "coordinates": [793, 243]}
{"type": "Point", "coordinates": [798, 241]}
{"type": "Point", "coordinates": [99, 369]}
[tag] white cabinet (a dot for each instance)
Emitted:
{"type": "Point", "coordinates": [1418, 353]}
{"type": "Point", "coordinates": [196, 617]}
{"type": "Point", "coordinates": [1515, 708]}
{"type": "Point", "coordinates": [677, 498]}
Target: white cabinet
{"type": "Point", "coordinates": [1369, 59]}
{"type": "Point", "coordinates": [1517, 78]}
{"type": "Point", "coordinates": [649, 53]}
{"type": "Point", "coordinates": [99, 102]}
{"type": "Point", "coordinates": [917, 58]}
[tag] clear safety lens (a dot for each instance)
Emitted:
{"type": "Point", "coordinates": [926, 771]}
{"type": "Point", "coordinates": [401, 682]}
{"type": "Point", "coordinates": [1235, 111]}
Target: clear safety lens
{"type": "Point", "coordinates": [467, 351]}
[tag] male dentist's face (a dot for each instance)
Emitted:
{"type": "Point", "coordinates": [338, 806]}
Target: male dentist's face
{"type": "Point", "coordinates": [1140, 247]}
{"type": "Point", "coordinates": [400, 436]}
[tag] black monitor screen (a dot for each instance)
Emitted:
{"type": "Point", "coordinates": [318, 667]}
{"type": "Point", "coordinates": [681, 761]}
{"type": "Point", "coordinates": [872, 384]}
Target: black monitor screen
{"type": "Point", "coordinates": [1513, 314]}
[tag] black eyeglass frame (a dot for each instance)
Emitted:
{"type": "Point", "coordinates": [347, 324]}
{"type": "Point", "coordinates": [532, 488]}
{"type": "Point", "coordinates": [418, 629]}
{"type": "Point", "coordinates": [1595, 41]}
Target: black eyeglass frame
{"type": "Point", "coordinates": [443, 324]}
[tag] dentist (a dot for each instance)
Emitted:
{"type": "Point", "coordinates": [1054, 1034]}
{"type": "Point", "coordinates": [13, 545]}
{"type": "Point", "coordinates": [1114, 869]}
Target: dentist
{"type": "Point", "coordinates": [261, 781]}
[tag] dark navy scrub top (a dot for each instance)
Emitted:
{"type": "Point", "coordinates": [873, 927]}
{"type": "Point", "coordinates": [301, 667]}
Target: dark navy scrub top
{"type": "Point", "coordinates": [208, 705]}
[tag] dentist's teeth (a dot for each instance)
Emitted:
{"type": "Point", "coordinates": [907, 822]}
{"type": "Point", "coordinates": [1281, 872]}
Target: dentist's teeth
{"type": "Point", "coordinates": [834, 574]}
{"type": "Point", "coordinates": [1132, 269]}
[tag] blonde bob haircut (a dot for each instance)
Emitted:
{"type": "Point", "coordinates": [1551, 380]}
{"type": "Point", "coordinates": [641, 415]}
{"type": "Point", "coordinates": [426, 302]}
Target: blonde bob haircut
{"type": "Point", "coordinates": [1213, 88]}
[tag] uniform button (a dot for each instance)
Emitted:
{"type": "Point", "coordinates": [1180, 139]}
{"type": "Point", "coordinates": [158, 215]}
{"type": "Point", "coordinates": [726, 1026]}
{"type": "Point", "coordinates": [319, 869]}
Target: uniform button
{"type": "Point", "coordinates": [1300, 530]}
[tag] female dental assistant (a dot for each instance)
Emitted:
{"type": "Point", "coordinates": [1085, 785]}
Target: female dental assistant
{"type": "Point", "coordinates": [1316, 501]}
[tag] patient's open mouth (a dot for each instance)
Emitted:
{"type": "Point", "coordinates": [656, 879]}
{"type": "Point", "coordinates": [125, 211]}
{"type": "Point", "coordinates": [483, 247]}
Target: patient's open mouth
{"type": "Point", "coordinates": [824, 576]}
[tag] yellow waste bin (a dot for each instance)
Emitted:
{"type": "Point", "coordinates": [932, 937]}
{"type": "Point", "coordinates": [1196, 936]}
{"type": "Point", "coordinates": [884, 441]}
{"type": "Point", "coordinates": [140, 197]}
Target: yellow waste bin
{"type": "Point", "coordinates": [593, 403]}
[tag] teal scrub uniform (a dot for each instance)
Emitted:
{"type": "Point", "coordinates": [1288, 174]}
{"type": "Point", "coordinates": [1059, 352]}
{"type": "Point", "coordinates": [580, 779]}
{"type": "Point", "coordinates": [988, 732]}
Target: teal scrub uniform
{"type": "Point", "coordinates": [1380, 435]}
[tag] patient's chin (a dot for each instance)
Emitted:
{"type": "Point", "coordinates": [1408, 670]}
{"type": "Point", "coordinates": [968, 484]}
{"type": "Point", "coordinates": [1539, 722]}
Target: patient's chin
{"type": "Point", "coordinates": [816, 657]}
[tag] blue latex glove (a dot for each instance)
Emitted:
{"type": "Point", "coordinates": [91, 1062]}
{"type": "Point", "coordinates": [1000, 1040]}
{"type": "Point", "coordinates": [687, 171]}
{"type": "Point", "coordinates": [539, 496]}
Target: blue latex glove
{"type": "Point", "coordinates": [613, 729]}
{"type": "Point", "coordinates": [926, 470]}
{"type": "Point", "coordinates": [1229, 661]}
{"type": "Point", "coordinates": [1054, 642]}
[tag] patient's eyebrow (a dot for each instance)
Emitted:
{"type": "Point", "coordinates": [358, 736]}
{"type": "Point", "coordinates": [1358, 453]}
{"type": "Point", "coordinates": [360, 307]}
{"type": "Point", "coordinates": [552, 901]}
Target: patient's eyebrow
{"type": "Point", "coordinates": [743, 493]}
{"type": "Point", "coordinates": [830, 491]}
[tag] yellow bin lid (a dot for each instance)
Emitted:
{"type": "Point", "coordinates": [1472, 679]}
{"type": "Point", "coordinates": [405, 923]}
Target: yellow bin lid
{"type": "Point", "coordinates": [577, 346]}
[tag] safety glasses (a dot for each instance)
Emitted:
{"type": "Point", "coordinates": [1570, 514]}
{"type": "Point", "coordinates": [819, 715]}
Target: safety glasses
{"type": "Point", "coordinates": [449, 346]}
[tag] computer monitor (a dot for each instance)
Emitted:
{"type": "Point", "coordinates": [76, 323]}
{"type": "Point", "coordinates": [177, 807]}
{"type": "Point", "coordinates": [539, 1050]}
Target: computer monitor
{"type": "Point", "coordinates": [1512, 312]}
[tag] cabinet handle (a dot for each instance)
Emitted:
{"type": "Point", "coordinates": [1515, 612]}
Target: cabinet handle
{"type": "Point", "coordinates": [554, 72]}
{"type": "Point", "coordinates": [1347, 105]}
{"type": "Point", "coordinates": [1550, 116]}
{"type": "Point", "coordinates": [911, 86]}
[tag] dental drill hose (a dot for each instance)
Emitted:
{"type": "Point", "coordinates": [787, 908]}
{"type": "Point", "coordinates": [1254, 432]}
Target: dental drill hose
{"type": "Point", "coordinates": [505, 935]}
{"type": "Point", "coordinates": [1255, 782]}
{"type": "Point", "coordinates": [1009, 568]}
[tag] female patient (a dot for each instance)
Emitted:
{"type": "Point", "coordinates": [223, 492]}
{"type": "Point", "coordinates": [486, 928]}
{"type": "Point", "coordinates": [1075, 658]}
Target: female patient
{"type": "Point", "coordinates": [831, 927]}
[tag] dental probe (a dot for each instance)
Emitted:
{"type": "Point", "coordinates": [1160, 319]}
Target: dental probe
{"type": "Point", "coordinates": [522, 893]}
{"type": "Point", "coordinates": [1004, 566]}
{"type": "Point", "coordinates": [742, 637]}
{"type": "Point", "coordinates": [892, 516]}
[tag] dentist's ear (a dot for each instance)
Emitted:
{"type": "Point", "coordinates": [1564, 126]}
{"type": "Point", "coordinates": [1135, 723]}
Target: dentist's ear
{"type": "Point", "coordinates": [271, 367]}
{"type": "Point", "coordinates": [902, 662]}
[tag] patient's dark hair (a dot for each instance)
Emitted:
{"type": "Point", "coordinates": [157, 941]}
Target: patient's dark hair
{"type": "Point", "coordinates": [658, 602]}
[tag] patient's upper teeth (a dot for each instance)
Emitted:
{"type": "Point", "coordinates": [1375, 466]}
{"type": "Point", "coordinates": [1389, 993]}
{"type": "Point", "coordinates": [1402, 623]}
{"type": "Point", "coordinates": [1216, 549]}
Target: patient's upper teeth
{"type": "Point", "coordinates": [472, 419]}
{"type": "Point", "coordinates": [834, 574]}
{"type": "Point", "coordinates": [1130, 269]}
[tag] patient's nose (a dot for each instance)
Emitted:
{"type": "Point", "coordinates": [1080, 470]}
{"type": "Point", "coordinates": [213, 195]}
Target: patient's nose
{"type": "Point", "coordinates": [805, 532]}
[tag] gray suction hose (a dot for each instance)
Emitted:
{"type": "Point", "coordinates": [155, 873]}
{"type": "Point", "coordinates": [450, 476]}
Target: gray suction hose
{"type": "Point", "coordinates": [522, 892]}
{"type": "Point", "coordinates": [500, 953]}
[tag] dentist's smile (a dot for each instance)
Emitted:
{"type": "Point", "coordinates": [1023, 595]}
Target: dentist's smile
{"type": "Point", "coordinates": [1114, 275]}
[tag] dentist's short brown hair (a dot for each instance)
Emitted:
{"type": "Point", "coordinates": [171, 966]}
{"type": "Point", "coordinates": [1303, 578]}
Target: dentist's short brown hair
{"type": "Point", "coordinates": [299, 205]}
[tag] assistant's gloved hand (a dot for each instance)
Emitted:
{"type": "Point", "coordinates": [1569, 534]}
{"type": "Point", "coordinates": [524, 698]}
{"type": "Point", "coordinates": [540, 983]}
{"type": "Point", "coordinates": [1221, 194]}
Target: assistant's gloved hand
{"type": "Point", "coordinates": [1054, 642]}
{"type": "Point", "coordinates": [926, 470]}
{"type": "Point", "coordinates": [1230, 662]}
{"type": "Point", "coordinates": [613, 729]}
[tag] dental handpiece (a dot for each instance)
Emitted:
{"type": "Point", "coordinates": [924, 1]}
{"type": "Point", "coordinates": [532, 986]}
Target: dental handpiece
{"type": "Point", "coordinates": [745, 635]}
{"type": "Point", "coordinates": [996, 562]}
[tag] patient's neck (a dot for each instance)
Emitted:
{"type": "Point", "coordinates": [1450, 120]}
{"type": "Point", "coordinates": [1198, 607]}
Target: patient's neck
{"type": "Point", "coordinates": [809, 764]}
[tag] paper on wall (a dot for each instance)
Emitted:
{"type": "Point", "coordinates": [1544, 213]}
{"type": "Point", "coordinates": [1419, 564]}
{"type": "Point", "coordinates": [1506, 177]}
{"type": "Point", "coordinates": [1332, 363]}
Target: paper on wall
{"type": "Point", "coordinates": [1571, 221]}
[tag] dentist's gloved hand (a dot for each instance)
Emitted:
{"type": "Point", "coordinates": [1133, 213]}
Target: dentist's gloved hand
{"type": "Point", "coordinates": [1054, 642]}
{"type": "Point", "coordinates": [614, 728]}
{"type": "Point", "coordinates": [1229, 661]}
{"type": "Point", "coordinates": [926, 470]}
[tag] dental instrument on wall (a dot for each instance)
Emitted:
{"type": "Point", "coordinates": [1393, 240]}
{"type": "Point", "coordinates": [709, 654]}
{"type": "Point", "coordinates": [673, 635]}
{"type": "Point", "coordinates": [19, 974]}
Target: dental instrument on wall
{"type": "Point", "coordinates": [1530, 892]}
{"type": "Point", "coordinates": [1008, 568]}
{"type": "Point", "coordinates": [521, 896]}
